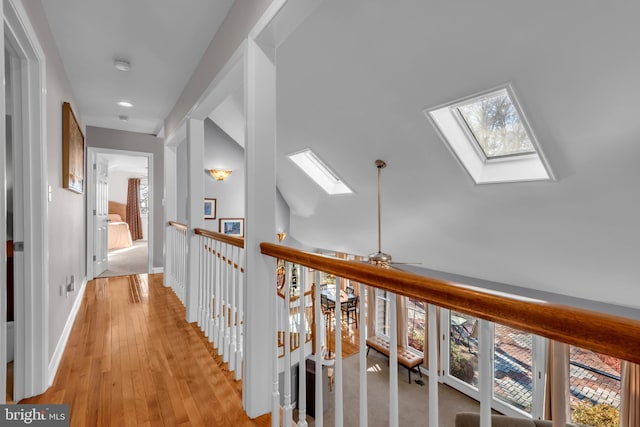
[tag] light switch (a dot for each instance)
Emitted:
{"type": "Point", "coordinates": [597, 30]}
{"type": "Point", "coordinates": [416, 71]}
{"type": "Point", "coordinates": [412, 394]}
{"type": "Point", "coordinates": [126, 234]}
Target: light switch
{"type": "Point", "coordinates": [50, 194]}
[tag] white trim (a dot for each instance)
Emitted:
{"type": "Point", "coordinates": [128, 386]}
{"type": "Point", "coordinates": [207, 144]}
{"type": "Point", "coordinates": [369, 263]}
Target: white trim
{"type": "Point", "coordinates": [32, 314]}
{"type": "Point", "coordinates": [157, 270]}
{"type": "Point", "coordinates": [56, 358]}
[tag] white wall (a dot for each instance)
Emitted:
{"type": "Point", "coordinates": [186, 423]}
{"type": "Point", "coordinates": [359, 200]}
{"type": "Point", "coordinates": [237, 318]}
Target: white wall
{"type": "Point", "coordinates": [66, 226]}
{"type": "Point", "coordinates": [221, 152]}
{"type": "Point", "coordinates": [118, 186]}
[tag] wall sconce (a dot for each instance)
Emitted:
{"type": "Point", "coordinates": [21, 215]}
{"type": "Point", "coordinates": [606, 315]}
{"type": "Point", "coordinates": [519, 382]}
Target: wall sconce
{"type": "Point", "coordinates": [281, 236]}
{"type": "Point", "coordinates": [220, 174]}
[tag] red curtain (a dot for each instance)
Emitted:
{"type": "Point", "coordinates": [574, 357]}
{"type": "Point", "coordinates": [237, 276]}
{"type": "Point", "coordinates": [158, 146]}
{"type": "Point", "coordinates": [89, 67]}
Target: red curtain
{"type": "Point", "coordinates": [133, 209]}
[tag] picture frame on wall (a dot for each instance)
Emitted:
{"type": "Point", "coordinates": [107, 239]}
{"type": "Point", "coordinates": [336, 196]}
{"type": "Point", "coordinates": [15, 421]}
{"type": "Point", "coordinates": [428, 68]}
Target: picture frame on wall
{"type": "Point", "coordinates": [209, 208]}
{"type": "Point", "coordinates": [232, 226]}
{"type": "Point", "coordinates": [72, 151]}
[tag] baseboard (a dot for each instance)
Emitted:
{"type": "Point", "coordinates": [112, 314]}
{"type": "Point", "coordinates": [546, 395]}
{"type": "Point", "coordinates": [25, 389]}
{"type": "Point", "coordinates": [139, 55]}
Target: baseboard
{"type": "Point", "coordinates": [54, 364]}
{"type": "Point", "coordinates": [156, 270]}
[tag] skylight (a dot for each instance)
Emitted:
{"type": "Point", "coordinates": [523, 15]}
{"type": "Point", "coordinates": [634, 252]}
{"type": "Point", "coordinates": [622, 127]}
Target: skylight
{"type": "Point", "coordinates": [495, 124]}
{"type": "Point", "coordinates": [490, 136]}
{"type": "Point", "coordinates": [319, 172]}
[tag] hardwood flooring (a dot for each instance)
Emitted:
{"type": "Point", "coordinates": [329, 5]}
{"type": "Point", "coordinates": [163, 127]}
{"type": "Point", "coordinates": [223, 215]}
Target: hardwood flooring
{"type": "Point", "coordinates": [132, 360]}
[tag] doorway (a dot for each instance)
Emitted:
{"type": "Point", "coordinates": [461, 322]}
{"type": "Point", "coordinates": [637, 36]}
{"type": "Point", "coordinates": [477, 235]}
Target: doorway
{"type": "Point", "coordinates": [24, 207]}
{"type": "Point", "coordinates": [120, 200]}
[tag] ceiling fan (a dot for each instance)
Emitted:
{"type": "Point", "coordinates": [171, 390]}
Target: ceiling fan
{"type": "Point", "coordinates": [380, 258]}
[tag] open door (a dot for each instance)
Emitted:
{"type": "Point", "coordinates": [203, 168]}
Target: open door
{"type": "Point", "coordinates": [101, 212]}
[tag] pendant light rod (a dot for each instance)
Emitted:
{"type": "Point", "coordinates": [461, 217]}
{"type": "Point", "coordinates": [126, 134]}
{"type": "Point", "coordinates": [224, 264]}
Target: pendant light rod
{"type": "Point", "coordinates": [380, 164]}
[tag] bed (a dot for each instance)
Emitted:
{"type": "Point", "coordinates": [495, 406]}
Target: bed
{"type": "Point", "coordinates": [119, 234]}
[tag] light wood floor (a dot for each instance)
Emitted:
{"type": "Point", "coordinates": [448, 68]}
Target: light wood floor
{"type": "Point", "coordinates": [132, 360]}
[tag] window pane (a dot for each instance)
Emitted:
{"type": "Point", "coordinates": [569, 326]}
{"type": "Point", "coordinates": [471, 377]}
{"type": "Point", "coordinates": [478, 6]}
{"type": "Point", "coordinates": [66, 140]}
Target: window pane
{"type": "Point", "coordinates": [594, 381]}
{"type": "Point", "coordinates": [513, 375]}
{"type": "Point", "coordinates": [463, 346]}
{"type": "Point", "coordinates": [496, 126]}
{"type": "Point", "coordinates": [382, 312]}
{"type": "Point", "coordinates": [416, 323]}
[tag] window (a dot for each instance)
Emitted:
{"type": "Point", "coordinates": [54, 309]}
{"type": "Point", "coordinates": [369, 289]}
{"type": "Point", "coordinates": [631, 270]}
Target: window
{"type": "Point", "coordinates": [594, 383]}
{"type": "Point", "coordinates": [416, 320]}
{"type": "Point", "coordinates": [463, 348]}
{"type": "Point", "coordinates": [144, 196]}
{"type": "Point", "coordinates": [515, 356]}
{"type": "Point", "coordinates": [513, 367]}
{"type": "Point", "coordinates": [496, 126]}
{"type": "Point", "coordinates": [490, 136]}
{"type": "Point", "coordinates": [383, 311]}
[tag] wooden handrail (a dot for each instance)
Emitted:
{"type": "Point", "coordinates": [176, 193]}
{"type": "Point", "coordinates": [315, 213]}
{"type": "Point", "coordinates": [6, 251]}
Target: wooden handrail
{"type": "Point", "coordinates": [604, 333]}
{"type": "Point", "coordinates": [234, 241]}
{"type": "Point", "coordinates": [178, 225]}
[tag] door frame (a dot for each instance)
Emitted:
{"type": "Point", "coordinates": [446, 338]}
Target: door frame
{"type": "Point", "coordinates": [32, 297]}
{"type": "Point", "coordinates": [92, 153]}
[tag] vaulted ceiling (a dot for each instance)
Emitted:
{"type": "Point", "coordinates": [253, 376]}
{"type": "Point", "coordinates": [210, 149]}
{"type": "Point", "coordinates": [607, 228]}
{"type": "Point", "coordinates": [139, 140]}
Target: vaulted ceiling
{"type": "Point", "coordinates": [354, 80]}
{"type": "Point", "coordinates": [353, 83]}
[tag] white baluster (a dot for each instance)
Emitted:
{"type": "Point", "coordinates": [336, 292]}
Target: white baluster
{"type": "Point", "coordinates": [215, 321]}
{"type": "Point", "coordinates": [234, 284]}
{"type": "Point", "coordinates": [363, 359]}
{"type": "Point", "coordinates": [337, 367]}
{"type": "Point", "coordinates": [228, 274]}
{"type": "Point", "coordinates": [287, 410]}
{"type": "Point", "coordinates": [319, 368]}
{"type": "Point", "coordinates": [485, 371]}
{"type": "Point", "coordinates": [302, 331]}
{"type": "Point", "coordinates": [275, 398]}
{"type": "Point", "coordinates": [433, 366]}
{"type": "Point", "coordinates": [393, 362]}
{"type": "Point", "coordinates": [200, 315]}
{"type": "Point", "coordinates": [240, 331]}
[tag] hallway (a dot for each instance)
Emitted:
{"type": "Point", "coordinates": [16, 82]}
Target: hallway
{"type": "Point", "coordinates": [132, 360]}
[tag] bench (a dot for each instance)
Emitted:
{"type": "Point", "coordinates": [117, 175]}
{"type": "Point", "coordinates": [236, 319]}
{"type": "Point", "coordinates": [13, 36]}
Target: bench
{"type": "Point", "coordinates": [406, 357]}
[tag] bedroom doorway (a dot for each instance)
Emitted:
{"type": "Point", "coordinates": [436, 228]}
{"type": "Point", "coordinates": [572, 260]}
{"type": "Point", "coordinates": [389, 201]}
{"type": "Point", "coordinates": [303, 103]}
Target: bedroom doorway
{"type": "Point", "coordinates": [120, 202]}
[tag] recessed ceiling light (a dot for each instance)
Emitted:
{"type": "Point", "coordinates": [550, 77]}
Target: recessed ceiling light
{"type": "Point", "coordinates": [125, 104]}
{"type": "Point", "coordinates": [122, 64]}
{"type": "Point", "coordinates": [123, 118]}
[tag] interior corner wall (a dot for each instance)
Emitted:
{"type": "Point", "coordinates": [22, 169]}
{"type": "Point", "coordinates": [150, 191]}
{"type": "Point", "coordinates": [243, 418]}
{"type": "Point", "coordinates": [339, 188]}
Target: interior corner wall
{"type": "Point", "coordinates": [66, 212]}
{"type": "Point", "coordinates": [182, 188]}
{"type": "Point", "coordinates": [222, 152]}
{"type": "Point", "coordinates": [139, 142]}
{"type": "Point", "coordinates": [240, 19]}
{"type": "Point", "coordinates": [282, 213]}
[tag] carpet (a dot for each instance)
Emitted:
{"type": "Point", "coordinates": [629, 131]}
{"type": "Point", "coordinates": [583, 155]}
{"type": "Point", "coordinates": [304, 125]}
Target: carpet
{"type": "Point", "coordinates": [413, 399]}
{"type": "Point", "coordinates": [132, 260]}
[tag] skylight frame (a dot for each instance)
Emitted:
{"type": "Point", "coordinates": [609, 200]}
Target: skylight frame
{"type": "Point", "coordinates": [455, 133]}
{"type": "Point", "coordinates": [319, 172]}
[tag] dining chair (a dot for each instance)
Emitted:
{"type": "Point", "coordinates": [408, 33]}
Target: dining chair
{"type": "Point", "coordinates": [328, 307]}
{"type": "Point", "coordinates": [350, 310]}
{"type": "Point", "coordinates": [349, 289]}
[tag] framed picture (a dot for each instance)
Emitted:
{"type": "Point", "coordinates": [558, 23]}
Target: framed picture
{"type": "Point", "coordinates": [72, 151]}
{"type": "Point", "coordinates": [232, 226]}
{"type": "Point", "coordinates": [209, 208]}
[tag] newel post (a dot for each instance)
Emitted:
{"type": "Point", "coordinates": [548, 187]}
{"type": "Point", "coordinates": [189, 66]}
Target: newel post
{"type": "Point", "coordinates": [195, 218]}
{"type": "Point", "coordinates": [260, 149]}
